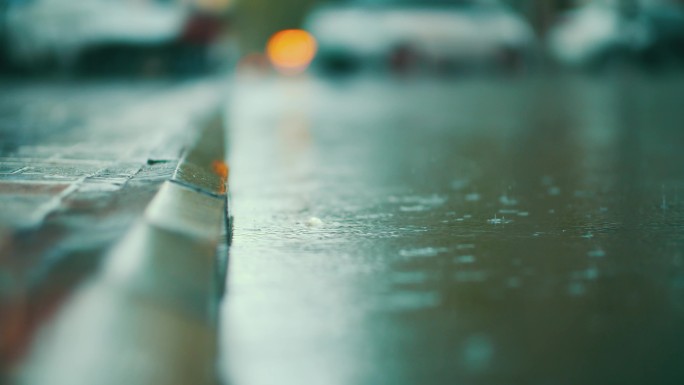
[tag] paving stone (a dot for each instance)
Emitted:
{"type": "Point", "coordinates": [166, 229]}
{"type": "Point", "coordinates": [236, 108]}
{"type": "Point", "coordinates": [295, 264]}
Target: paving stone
{"type": "Point", "coordinates": [203, 167]}
{"type": "Point", "coordinates": [78, 167]}
{"type": "Point", "coordinates": [179, 209]}
{"type": "Point", "coordinates": [146, 343]}
{"type": "Point", "coordinates": [25, 205]}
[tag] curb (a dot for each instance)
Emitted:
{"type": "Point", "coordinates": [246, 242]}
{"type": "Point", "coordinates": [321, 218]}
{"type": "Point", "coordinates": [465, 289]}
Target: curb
{"type": "Point", "coordinates": [189, 212]}
{"type": "Point", "coordinates": [149, 315]}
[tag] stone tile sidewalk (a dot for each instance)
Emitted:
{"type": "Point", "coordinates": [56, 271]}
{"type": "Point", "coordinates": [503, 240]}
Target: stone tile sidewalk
{"type": "Point", "coordinates": [87, 193]}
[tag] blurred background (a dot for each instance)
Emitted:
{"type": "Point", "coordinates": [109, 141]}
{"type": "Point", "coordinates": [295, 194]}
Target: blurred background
{"type": "Point", "coordinates": [437, 36]}
{"type": "Point", "coordinates": [424, 191]}
{"type": "Point", "coordinates": [133, 37]}
{"type": "Point", "coordinates": [432, 36]}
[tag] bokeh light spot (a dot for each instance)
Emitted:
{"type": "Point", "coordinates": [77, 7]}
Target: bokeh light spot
{"type": "Point", "coordinates": [221, 169]}
{"type": "Point", "coordinates": [291, 51]}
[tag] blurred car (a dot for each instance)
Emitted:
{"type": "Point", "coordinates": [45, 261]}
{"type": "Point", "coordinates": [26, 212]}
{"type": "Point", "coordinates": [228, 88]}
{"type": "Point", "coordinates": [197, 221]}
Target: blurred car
{"type": "Point", "coordinates": [451, 36]}
{"type": "Point", "coordinates": [115, 32]}
{"type": "Point", "coordinates": [601, 33]}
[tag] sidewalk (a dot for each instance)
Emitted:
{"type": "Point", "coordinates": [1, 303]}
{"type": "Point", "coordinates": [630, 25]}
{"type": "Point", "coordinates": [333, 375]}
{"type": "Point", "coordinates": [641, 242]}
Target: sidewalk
{"type": "Point", "coordinates": [112, 205]}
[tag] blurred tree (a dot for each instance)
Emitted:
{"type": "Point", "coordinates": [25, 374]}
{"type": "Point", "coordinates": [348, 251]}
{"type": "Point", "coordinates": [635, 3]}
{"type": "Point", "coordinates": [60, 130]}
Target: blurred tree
{"type": "Point", "coordinates": [257, 20]}
{"type": "Point", "coordinates": [541, 13]}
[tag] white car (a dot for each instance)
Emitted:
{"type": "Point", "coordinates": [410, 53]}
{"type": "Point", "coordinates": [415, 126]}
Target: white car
{"type": "Point", "coordinates": [39, 31]}
{"type": "Point", "coordinates": [420, 35]}
{"type": "Point", "coordinates": [601, 33]}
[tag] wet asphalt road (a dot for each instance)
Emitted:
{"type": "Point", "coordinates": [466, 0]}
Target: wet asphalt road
{"type": "Point", "coordinates": [482, 231]}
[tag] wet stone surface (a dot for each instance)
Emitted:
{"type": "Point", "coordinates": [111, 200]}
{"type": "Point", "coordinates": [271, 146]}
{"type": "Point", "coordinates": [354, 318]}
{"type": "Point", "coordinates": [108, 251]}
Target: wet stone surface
{"type": "Point", "coordinates": [79, 162]}
{"type": "Point", "coordinates": [469, 231]}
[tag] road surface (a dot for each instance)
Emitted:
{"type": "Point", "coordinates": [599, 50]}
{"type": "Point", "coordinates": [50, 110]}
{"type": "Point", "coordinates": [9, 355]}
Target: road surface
{"type": "Point", "coordinates": [463, 231]}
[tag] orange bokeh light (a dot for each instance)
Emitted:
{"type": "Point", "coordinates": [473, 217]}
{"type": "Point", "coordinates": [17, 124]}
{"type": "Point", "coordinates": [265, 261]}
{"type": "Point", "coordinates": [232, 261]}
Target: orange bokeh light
{"type": "Point", "coordinates": [221, 169]}
{"type": "Point", "coordinates": [291, 51]}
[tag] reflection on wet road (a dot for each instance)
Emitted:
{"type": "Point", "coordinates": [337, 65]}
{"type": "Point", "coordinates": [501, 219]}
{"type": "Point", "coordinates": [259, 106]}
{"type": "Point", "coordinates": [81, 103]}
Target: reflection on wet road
{"type": "Point", "coordinates": [471, 232]}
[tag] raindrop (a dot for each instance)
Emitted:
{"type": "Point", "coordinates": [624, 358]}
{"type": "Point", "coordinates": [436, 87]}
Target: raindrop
{"type": "Point", "coordinates": [314, 222]}
{"type": "Point", "coordinates": [466, 259]}
{"type": "Point", "coordinates": [415, 208]}
{"type": "Point", "coordinates": [422, 252]}
{"type": "Point", "coordinates": [495, 220]}
{"type": "Point", "coordinates": [507, 201]}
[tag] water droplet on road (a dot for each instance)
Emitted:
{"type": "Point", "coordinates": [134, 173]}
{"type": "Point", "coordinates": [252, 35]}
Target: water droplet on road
{"type": "Point", "coordinates": [422, 252]}
{"type": "Point", "coordinates": [472, 197]}
{"type": "Point", "coordinates": [313, 222]}
{"type": "Point", "coordinates": [465, 259]}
